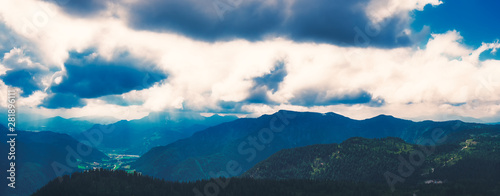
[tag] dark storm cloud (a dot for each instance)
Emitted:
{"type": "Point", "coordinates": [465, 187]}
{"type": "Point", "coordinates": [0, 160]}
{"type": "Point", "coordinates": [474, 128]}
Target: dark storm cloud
{"type": "Point", "coordinates": [62, 100]}
{"type": "Point", "coordinates": [25, 79]}
{"type": "Point", "coordinates": [88, 76]}
{"type": "Point", "coordinates": [200, 20]}
{"type": "Point", "coordinates": [320, 98]}
{"type": "Point", "coordinates": [329, 21]}
{"type": "Point", "coordinates": [267, 82]}
{"type": "Point", "coordinates": [326, 21]}
{"type": "Point", "coordinates": [342, 22]}
{"type": "Point", "coordinates": [24, 71]}
{"type": "Point", "coordinates": [80, 7]}
{"type": "Point", "coordinates": [274, 78]}
{"type": "Point", "coordinates": [232, 106]}
{"type": "Point", "coordinates": [258, 93]}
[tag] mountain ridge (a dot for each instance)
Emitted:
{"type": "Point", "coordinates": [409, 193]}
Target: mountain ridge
{"type": "Point", "coordinates": [241, 140]}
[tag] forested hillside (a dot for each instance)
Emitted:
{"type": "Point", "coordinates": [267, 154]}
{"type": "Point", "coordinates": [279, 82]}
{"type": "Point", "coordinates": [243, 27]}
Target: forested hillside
{"type": "Point", "coordinates": [473, 163]}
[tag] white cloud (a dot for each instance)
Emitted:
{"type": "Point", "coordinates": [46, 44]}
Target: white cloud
{"type": "Point", "coordinates": [378, 10]}
{"type": "Point", "coordinates": [16, 59]}
{"type": "Point", "coordinates": [202, 74]}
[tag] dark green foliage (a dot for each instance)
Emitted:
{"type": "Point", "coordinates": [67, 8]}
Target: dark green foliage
{"type": "Point", "coordinates": [121, 183]}
{"type": "Point", "coordinates": [356, 159]}
{"type": "Point", "coordinates": [468, 167]}
{"type": "Point", "coordinates": [106, 182]}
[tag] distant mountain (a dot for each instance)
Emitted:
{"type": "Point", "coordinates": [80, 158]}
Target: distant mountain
{"type": "Point", "coordinates": [156, 129]}
{"type": "Point", "coordinates": [22, 118]}
{"type": "Point", "coordinates": [104, 120]}
{"type": "Point", "coordinates": [71, 126]}
{"type": "Point", "coordinates": [36, 153]}
{"type": "Point", "coordinates": [245, 142]}
{"type": "Point", "coordinates": [130, 137]}
{"type": "Point", "coordinates": [474, 160]}
{"type": "Point", "coordinates": [56, 124]}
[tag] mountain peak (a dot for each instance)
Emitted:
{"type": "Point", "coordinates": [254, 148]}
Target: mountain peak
{"type": "Point", "coordinates": [55, 118]}
{"type": "Point", "coordinates": [287, 111]}
{"type": "Point", "coordinates": [306, 112]}
{"type": "Point", "coordinates": [383, 117]}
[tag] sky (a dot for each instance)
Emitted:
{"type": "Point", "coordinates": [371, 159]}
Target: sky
{"type": "Point", "coordinates": [413, 59]}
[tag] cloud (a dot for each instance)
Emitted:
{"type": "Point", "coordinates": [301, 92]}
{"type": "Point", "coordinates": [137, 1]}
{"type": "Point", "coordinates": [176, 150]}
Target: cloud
{"type": "Point", "coordinates": [313, 97]}
{"type": "Point", "coordinates": [24, 79]}
{"type": "Point", "coordinates": [17, 59]}
{"type": "Point", "coordinates": [8, 40]}
{"type": "Point", "coordinates": [378, 10]}
{"type": "Point", "coordinates": [200, 20]}
{"type": "Point", "coordinates": [80, 7]}
{"type": "Point", "coordinates": [229, 107]}
{"type": "Point", "coordinates": [258, 95]}
{"type": "Point", "coordinates": [343, 23]}
{"type": "Point", "coordinates": [242, 75]}
{"type": "Point", "coordinates": [272, 80]}
{"type": "Point", "coordinates": [120, 100]}
{"type": "Point", "coordinates": [62, 100]}
{"type": "Point", "coordinates": [22, 72]}
{"type": "Point", "coordinates": [322, 21]}
{"type": "Point", "coordinates": [90, 76]}
{"type": "Point", "coordinates": [266, 84]}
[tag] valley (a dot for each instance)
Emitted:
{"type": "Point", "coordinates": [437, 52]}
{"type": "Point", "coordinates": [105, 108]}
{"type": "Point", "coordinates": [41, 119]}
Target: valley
{"type": "Point", "coordinates": [114, 162]}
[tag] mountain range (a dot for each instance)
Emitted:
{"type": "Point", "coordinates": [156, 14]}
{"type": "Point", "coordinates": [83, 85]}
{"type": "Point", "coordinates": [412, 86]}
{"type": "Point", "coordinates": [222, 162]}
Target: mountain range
{"type": "Point", "coordinates": [157, 129]}
{"type": "Point", "coordinates": [242, 143]}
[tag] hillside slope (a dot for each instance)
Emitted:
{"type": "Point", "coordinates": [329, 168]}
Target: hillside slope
{"type": "Point", "coordinates": [475, 160]}
{"type": "Point", "coordinates": [36, 153]}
